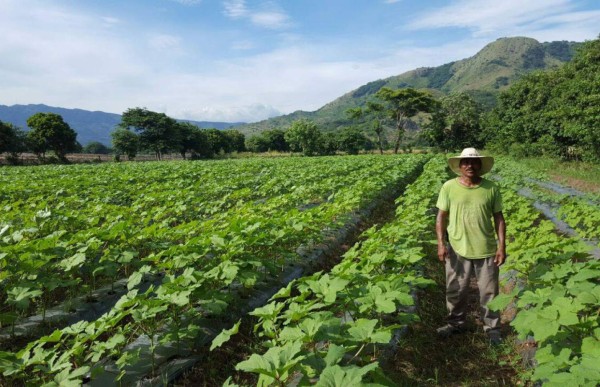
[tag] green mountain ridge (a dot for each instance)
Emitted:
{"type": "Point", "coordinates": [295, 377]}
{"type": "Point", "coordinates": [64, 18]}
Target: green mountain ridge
{"type": "Point", "coordinates": [484, 75]}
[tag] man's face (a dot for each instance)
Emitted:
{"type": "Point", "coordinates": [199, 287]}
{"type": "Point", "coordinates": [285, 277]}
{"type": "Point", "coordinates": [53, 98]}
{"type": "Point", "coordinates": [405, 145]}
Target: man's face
{"type": "Point", "coordinates": [470, 167]}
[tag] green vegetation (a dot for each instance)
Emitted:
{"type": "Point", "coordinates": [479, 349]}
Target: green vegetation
{"type": "Point", "coordinates": [455, 123]}
{"type": "Point", "coordinates": [96, 148]}
{"type": "Point", "coordinates": [205, 234]}
{"type": "Point", "coordinates": [140, 130]}
{"type": "Point", "coordinates": [558, 303]}
{"type": "Point", "coordinates": [12, 141]}
{"type": "Point", "coordinates": [332, 326]}
{"type": "Point", "coordinates": [193, 241]}
{"type": "Point", "coordinates": [581, 175]}
{"type": "Point", "coordinates": [269, 140]}
{"type": "Point", "coordinates": [553, 113]}
{"type": "Point", "coordinates": [50, 132]}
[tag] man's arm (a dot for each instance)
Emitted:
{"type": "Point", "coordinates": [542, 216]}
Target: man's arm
{"type": "Point", "coordinates": [501, 232]}
{"type": "Point", "coordinates": [441, 224]}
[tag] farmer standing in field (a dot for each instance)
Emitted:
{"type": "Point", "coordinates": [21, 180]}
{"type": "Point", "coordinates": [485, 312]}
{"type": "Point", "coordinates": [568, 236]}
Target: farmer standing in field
{"type": "Point", "coordinates": [467, 205]}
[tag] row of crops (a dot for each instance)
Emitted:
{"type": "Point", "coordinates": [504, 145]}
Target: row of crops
{"type": "Point", "coordinates": [182, 250]}
{"type": "Point", "coordinates": [200, 236]}
{"type": "Point", "coordinates": [556, 281]}
{"type": "Point", "coordinates": [331, 328]}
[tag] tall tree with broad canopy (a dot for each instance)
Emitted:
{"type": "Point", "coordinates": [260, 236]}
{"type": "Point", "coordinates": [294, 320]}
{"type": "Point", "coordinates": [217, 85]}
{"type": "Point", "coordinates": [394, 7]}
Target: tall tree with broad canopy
{"type": "Point", "coordinates": [304, 136]}
{"type": "Point", "coordinates": [402, 104]}
{"type": "Point", "coordinates": [50, 132]}
{"type": "Point", "coordinates": [158, 132]}
{"type": "Point", "coordinates": [455, 123]}
{"type": "Point", "coordinates": [125, 142]}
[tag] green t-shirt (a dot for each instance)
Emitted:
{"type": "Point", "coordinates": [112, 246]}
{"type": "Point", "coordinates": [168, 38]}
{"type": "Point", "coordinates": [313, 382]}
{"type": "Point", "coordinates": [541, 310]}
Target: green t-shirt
{"type": "Point", "coordinates": [470, 210]}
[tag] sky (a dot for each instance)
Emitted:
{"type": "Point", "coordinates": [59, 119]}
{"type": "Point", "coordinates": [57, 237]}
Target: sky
{"type": "Point", "coordinates": [243, 60]}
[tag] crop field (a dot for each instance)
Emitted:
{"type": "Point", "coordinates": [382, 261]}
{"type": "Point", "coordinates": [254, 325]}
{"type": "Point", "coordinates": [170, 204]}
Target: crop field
{"type": "Point", "coordinates": [126, 274]}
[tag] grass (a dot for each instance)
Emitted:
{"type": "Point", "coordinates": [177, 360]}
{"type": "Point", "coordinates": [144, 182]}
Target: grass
{"type": "Point", "coordinates": [582, 176]}
{"type": "Point", "coordinates": [462, 360]}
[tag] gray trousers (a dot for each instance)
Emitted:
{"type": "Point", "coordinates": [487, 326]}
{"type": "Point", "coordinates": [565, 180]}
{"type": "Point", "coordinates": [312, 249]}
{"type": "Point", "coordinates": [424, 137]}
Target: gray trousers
{"type": "Point", "coordinates": [458, 273]}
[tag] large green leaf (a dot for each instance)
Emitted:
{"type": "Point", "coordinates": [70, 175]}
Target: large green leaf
{"type": "Point", "coordinates": [336, 376]}
{"type": "Point", "coordinates": [225, 335]}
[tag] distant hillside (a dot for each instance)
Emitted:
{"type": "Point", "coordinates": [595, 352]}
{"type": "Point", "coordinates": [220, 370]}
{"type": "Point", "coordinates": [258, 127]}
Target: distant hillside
{"type": "Point", "coordinates": [483, 75]}
{"type": "Point", "coordinates": [90, 126]}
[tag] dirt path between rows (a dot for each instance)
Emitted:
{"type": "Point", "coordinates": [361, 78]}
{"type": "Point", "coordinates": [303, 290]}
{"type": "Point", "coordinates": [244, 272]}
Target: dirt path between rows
{"type": "Point", "coordinates": [462, 360]}
{"type": "Point", "coordinates": [581, 185]}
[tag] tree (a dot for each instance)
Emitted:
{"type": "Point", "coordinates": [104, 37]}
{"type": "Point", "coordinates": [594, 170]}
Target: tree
{"type": "Point", "coordinates": [455, 123]}
{"type": "Point", "coordinates": [96, 148]}
{"type": "Point", "coordinates": [236, 141]}
{"type": "Point", "coordinates": [276, 140]}
{"type": "Point", "coordinates": [552, 112]}
{"type": "Point", "coordinates": [269, 140]}
{"type": "Point", "coordinates": [12, 141]}
{"type": "Point", "coordinates": [402, 104]}
{"type": "Point", "coordinates": [375, 110]}
{"type": "Point", "coordinates": [304, 136]}
{"type": "Point", "coordinates": [158, 132]}
{"type": "Point", "coordinates": [125, 142]}
{"type": "Point", "coordinates": [217, 141]}
{"type": "Point", "coordinates": [200, 145]}
{"type": "Point", "coordinates": [329, 143]}
{"type": "Point", "coordinates": [257, 144]}
{"type": "Point", "coordinates": [351, 140]}
{"type": "Point", "coordinates": [50, 132]}
{"type": "Point", "coordinates": [194, 140]}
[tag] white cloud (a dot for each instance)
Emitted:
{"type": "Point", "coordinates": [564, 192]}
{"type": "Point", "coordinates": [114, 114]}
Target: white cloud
{"type": "Point", "coordinates": [235, 9]}
{"type": "Point", "coordinates": [484, 15]}
{"type": "Point", "coordinates": [272, 20]}
{"type": "Point", "coordinates": [268, 16]}
{"type": "Point", "coordinates": [248, 113]}
{"type": "Point", "coordinates": [187, 2]}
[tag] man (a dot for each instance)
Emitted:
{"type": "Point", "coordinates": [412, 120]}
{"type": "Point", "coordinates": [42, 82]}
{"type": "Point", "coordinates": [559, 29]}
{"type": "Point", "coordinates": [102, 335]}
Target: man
{"type": "Point", "coordinates": [467, 205]}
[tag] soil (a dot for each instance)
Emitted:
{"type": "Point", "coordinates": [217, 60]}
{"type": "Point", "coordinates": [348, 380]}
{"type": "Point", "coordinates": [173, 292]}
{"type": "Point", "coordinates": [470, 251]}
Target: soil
{"type": "Point", "coordinates": [467, 359]}
{"type": "Point", "coordinates": [579, 184]}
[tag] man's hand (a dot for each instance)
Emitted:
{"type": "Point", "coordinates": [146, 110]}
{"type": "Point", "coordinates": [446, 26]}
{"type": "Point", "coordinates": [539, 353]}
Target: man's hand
{"type": "Point", "coordinates": [500, 257]}
{"type": "Point", "coordinates": [441, 223]}
{"type": "Point", "coordinates": [501, 231]}
{"type": "Point", "coordinates": [442, 252]}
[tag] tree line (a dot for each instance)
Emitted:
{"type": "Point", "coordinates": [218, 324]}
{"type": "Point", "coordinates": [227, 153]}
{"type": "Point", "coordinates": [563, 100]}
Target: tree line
{"type": "Point", "coordinates": [553, 113]}
{"type": "Point", "coordinates": [144, 130]}
{"type": "Point", "coordinates": [140, 130]}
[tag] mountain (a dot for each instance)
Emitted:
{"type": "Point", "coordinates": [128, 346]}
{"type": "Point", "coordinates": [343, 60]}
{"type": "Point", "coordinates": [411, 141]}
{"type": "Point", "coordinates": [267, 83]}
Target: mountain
{"type": "Point", "coordinates": [89, 125]}
{"type": "Point", "coordinates": [483, 75]}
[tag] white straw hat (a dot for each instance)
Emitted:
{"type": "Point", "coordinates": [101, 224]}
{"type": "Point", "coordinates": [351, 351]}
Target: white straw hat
{"type": "Point", "coordinates": [487, 162]}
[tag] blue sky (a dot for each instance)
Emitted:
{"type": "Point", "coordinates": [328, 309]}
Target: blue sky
{"type": "Point", "coordinates": [242, 60]}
